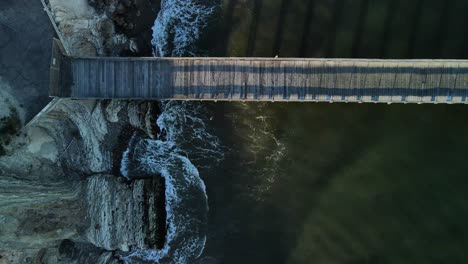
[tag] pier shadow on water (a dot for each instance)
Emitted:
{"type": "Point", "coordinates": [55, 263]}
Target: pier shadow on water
{"type": "Point", "coordinates": [344, 28]}
{"type": "Point", "coordinates": [340, 183]}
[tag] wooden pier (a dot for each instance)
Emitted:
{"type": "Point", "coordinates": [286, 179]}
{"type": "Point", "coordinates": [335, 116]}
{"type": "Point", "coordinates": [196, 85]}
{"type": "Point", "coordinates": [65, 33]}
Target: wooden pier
{"type": "Point", "coordinates": [260, 79]}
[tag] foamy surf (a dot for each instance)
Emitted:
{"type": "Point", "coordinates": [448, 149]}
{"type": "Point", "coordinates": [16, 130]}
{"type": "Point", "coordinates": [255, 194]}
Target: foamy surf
{"type": "Point", "coordinates": [182, 130]}
{"type": "Point", "coordinates": [183, 141]}
{"type": "Point", "coordinates": [186, 203]}
{"type": "Point", "coordinates": [180, 25]}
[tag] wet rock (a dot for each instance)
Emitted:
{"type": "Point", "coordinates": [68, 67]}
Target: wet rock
{"type": "Point", "coordinates": [134, 19]}
{"type": "Point", "coordinates": [57, 202]}
{"type": "Point", "coordinates": [70, 252]}
{"type": "Point", "coordinates": [85, 31]}
{"type": "Point", "coordinates": [121, 214]}
{"type": "Point", "coordinates": [39, 206]}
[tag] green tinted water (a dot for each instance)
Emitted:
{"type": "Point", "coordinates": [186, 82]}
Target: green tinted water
{"type": "Point", "coordinates": [340, 183]}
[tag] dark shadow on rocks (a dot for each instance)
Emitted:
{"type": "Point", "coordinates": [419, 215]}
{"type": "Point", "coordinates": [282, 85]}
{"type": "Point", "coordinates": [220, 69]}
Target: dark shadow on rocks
{"type": "Point", "coordinates": [26, 35]}
{"type": "Point", "coordinates": [133, 18]}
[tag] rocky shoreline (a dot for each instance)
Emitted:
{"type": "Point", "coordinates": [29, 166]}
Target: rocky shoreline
{"type": "Point", "coordinates": [92, 214]}
{"type": "Point", "coordinates": [154, 187]}
{"type": "Point", "coordinates": [131, 18]}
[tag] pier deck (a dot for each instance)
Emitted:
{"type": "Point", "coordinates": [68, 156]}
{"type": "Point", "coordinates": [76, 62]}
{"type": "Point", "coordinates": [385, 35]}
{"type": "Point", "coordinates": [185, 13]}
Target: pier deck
{"type": "Point", "coordinates": [260, 79]}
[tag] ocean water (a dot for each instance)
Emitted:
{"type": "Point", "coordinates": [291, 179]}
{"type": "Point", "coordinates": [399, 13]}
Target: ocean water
{"type": "Point", "coordinates": [310, 183]}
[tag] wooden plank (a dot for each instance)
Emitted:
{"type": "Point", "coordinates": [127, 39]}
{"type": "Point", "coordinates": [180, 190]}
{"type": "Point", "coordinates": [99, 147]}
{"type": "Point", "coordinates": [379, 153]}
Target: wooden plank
{"type": "Point", "coordinates": [138, 79]}
{"type": "Point", "coordinates": [156, 80]}
{"type": "Point", "coordinates": [177, 78]}
{"type": "Point", "coordinates": [120, 79]}
{"type": "Point", "coordinates": [217, 79]}
{"type": "Point", "coordinates": [418, 83]}
{"type": "Point", "coordinates": [387, 82]}
{"type": "Point", "coordinates": [343, 76]}
{"type": "Point", "coordinates": [76, 68]}
{"type": "Point", "coordinates": [358, 80]}
{"type": "Point", "coordinates": [237, 82]}
{"type": "Point", "coordinates": [269, 82]}
{"type": "Point", "coordinates": [278, 77]}
{"type": "Point", "coordinates": [300, 82]}
{"type": "Point", "coordinates": [266, 79]}
{"type": "Point", "coordinates": [293, 81]}
{"type": "Point", "coordinates": [55, 67]}
{"type": "Point", "coordinates": [328, 81]}
{"type": "Point", "coordinates": [462, 83]}
{"type": "Point", "coordinates": [88, 76]}
{"type": "Point", "coordinates": [313, 79]}
{"type": "Point", "coordinates": [434, 80]}
{"type": "Point", "coordinates": [402, 82]}
{"type": "Point", "coordinates": [101, 85]}
{"type": "Point", "coordinates": [203, 88]}
{"type": "Point", "coordinates": [448, 81]}
{"type": "Point", "coordinates": [372, 81]}
{"type": "Point", "coordinates": [251, 83]}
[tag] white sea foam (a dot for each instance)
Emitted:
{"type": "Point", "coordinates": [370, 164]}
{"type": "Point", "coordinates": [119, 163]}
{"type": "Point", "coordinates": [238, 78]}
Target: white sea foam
{"type": "Point", "coordinates": [186, 199]}
{"type": "Point", "coordinates": [183, 142]}
{"type": "Point", "coordinates": [186, 204]}
{"type": "Point", "coordinates": [179, 26]}
{"type": "Point", "coordinates": [184, 124]}
{"type": "Point", "coordinates": [125, 162]}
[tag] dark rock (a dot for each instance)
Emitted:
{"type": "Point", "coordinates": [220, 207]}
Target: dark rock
{"type": "Point", "coordinates": [124, 216]}
{"type": "Point", "coordinates": [83, 253]}
{"type": "Point", "coordinates": [134, 18]}
{"type": "Point", "coordinates": [25, 48]}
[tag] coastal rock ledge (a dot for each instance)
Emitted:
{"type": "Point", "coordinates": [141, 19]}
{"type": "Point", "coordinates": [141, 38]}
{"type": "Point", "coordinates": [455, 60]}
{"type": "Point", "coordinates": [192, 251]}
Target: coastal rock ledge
{"type": "Point", "coordinates": [123, 216]}
{"type": "Point", "coordinates": [59, 202]}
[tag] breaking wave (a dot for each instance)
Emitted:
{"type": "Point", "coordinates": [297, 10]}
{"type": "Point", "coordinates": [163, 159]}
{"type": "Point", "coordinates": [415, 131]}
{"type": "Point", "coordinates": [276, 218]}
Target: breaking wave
{"type": "Point", "coordinates": [186, 202]}
{"type": "Point", "coordinates": [183, 141]}
{"type": "Point", "coordinates": [180, 25]}
{"type": "Point", "coordinates": [183, 135]}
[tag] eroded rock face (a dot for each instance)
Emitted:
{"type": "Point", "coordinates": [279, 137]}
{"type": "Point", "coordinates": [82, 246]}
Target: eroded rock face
{"type": "Point", "coordinates": [119, 215]}
{"type": "Point", "coordinates": [133, 18]}
{"type": "Point", "coordinates": [116, 10]}
{"type": "Point", "coordinates": [71, 196]}
{"type": "Point", "coordinates": [39, 206]}
{"type": "Point", "coordinates": [86, 32]}
{"type": "Point", "coordinates": [115, 211]}
{"type": "Point", "coordinates": [58, 202]}
{"type": "Point", "coordinates": [122, 215]}
{"type": "Point", "coordinates": [87, 132]}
